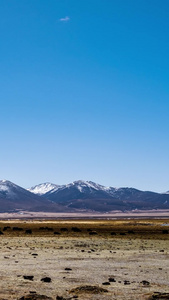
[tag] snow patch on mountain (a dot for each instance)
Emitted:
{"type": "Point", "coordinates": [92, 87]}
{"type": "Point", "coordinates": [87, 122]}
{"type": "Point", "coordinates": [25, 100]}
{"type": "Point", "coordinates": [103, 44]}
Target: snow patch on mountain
{"type": "Point", "coordinates": [43, 188]}
{"type": "Point", "coordinates": [81, 185]}
{"type": "Point", "coordinates": [8, 189]}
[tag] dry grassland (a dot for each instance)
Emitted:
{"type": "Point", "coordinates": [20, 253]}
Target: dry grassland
{"type": "Point", "coordinates": [77, 259]}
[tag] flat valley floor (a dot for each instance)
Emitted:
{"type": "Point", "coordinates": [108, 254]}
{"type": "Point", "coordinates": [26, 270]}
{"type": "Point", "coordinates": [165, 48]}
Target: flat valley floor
{"type": "Point", "coordinates": [84, 259]}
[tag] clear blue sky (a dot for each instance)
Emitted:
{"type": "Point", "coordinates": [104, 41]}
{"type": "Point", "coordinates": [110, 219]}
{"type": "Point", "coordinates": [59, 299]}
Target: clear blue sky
{"type": "Point", "coordinates": [84, 92]}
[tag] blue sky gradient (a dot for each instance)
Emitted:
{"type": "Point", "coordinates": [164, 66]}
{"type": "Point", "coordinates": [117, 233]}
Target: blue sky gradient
{"type": "Point", "coordinates": [84, 92]}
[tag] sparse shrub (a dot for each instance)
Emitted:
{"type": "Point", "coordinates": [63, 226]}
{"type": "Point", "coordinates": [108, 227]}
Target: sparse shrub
{"type": "Point", "coordinates": [28, 231]}
{"type": "Point", "coordinates": [76, 229]}
{"type": "Point", "coordinates": [63, 229]}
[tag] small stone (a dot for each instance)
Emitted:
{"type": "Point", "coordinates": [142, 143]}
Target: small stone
{"type": "Point", "coordinates": [145, 282]}
{"type": "Point", "coordinates": [106, 283]}
{"type": "Point", "coordinates": [27, 277]}
{"type": "Point", "coordinates": [112, 279]}
{"type": "Point", "coordinates": [126, 282]}
{"type": "Point", "coordinates": [46, 279]}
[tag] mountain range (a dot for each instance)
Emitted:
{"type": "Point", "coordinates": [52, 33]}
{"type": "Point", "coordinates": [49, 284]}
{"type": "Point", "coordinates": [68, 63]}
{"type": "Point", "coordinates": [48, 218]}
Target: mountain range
{"type": "Point", "coordinates": [78, 196]}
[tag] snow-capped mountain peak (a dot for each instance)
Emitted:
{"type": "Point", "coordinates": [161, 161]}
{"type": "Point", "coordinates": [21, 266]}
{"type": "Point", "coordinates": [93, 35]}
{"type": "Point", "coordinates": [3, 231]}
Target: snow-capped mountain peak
{"type": "Point", "coordinates": [8, 187]}
{"type": "Point", "coordinates": [81, 185]}
{"type": "Point", "coordinates": [5, 188]}
{"type": "Point", "coordinates": [10, 190]}
{"type": "Point", "coordinates": [5, 182]}
{"type": "Point", "coordinates": [90, 184]}
{"type": "Point", "coordinates": [43, 188]}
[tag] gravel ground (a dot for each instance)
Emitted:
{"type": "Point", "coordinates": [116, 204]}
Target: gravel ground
{"type": "Point", "coordinates": [128, 267]}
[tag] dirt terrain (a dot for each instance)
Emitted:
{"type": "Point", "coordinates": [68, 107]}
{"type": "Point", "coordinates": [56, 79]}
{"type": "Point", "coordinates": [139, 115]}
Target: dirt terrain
{"type": "Point", "coordinates": [84, 259]}
{"type": "Point", "coordinates": [156, 213]}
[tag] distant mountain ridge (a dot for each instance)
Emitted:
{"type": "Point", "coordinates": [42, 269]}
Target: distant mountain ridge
{"type": "Point", "coordinates": [88, 195]}
{"type": "Point", "coordinates": [15, 198]}
{"type": "Point", "coordinates": [78, 196]}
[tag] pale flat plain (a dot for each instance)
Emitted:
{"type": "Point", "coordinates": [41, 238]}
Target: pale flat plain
{"type": "Point", "coordinates": [131, 256]}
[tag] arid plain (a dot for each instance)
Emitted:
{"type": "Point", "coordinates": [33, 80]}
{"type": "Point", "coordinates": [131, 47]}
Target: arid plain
{"type": "Point", "coordinates": [84, 259]}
